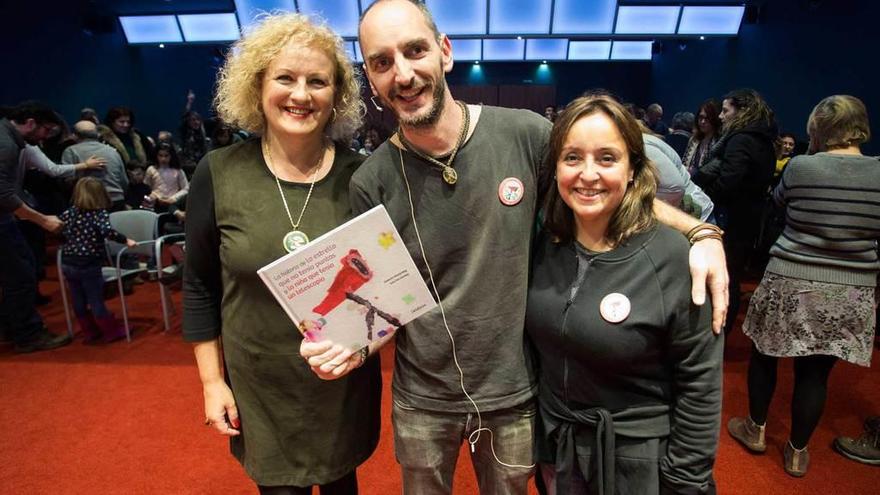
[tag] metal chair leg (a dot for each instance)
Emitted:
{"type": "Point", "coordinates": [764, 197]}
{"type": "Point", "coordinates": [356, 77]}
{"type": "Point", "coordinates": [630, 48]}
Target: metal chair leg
{"type": "Point", "coordinates": [63, 282]}
{"type": "Point", "coordinates": [163, 295]}
{"type": "Point", "coordinates": [122, 298]}
{"type": "Point", "coordinates": [159, 272]}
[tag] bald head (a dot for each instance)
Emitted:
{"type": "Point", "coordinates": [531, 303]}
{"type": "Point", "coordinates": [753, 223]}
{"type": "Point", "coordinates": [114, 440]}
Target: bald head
{"type": "Point", "coordinates": [85, 129]}
{"type": "Point", "coordinates": [422, 8]}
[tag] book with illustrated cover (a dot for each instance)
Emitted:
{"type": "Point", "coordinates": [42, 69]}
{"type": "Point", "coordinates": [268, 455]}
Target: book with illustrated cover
{"type": "Point", "coordinates": [353, 285]}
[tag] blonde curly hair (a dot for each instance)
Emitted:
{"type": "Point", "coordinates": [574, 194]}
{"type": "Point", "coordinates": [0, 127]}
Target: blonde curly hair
{"type": "Point", "coordinates": [240, 80]}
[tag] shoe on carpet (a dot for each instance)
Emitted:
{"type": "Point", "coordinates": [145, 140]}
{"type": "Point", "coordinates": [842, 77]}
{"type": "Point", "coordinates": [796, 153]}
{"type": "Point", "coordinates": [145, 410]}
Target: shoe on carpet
{"type": "Point", "coordinates": [89, 328]}
{"type": "Point", "coordinates": [746, 432]}
{"type": "Point", "coordinates": [171, 274]}
{"type": "Point", "coordinates": [43, 342]}
{"type": "Point", "coordinates": [872, 423]}
{"type": "Point", "coordinates": [795, 461]}
{"type": "Point", "coordinates": [865, 449]}
{"type": "Point", "coordinates": [111, 328]}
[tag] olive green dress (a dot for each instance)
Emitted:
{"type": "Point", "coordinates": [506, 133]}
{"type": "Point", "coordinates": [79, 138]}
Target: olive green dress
{"type": "Point", "coordinates": [296, 429]}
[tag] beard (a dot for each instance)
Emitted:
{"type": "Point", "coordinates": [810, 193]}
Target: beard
{"type": "Point", "coordinates": [428, 119]}
{"type": "Point", "coordinates": [438, 99]}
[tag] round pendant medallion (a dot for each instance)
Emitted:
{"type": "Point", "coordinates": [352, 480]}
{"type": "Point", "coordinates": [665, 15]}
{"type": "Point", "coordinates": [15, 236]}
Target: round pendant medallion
{"type": "Point", "coordinates": [450, 176]}
{"type": "Point", "coordinates": [294, 240]}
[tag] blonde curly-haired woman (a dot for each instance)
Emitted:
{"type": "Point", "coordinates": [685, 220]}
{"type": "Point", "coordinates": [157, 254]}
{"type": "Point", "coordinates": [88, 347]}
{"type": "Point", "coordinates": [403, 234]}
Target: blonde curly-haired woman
{"type": "Point", "coordinates": [289, 82]}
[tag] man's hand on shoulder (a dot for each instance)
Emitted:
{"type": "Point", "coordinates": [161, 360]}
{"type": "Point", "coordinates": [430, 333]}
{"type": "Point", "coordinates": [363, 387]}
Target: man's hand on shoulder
{"type": "Point", "coordinates": [51, 223]}
{"type": "Point", "coordinates": [709, 267]}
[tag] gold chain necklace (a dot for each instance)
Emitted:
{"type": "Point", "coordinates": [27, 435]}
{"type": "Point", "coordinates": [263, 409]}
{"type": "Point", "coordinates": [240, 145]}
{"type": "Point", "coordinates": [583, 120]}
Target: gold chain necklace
{"type": "Point", "coordinates": [450, 176]}
{"type": "Point", "coordinates": [295, 238]}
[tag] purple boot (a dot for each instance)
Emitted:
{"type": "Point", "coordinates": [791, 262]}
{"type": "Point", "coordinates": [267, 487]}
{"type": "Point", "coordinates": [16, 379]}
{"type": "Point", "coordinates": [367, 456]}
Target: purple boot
{"type": "Point", "coordinates": [111, 328]}
{"type": "Point", "coordinates": [89, 328]}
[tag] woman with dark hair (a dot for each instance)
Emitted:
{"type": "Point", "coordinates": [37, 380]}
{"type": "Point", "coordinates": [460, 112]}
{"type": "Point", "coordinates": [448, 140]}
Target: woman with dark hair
{"type": "Point", "coordinates": [119, 132]}
{"type": "Point", "coordinates": [630, 386]}
{"type": "Point", "coordinates": [194, 142]}
{"type": "Point", "coordinates": [817, 298]}
{"type": "Point", "coordinates": [737, 177]}
{"type": "Point", "coordinates": [707, 130]}
{"type": "Point", "coordinates": [223, 135]}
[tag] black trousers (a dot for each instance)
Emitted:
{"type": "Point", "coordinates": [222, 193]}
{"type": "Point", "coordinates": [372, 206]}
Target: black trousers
{"type": "Point", "coordinates": [18, 286]}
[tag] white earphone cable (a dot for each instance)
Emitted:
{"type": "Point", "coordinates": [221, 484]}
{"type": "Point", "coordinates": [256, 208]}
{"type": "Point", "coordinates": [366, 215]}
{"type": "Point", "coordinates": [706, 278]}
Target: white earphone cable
{"type": "Point", "coordinates": [474, 437]}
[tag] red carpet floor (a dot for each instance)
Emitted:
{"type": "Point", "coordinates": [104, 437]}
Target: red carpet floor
{"type": "Point", "coordinates": [126, 419]}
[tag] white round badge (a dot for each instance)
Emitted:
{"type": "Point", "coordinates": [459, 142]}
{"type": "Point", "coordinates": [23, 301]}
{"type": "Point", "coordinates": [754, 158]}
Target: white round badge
{"type": "Point", "coordinates": [614, 308]}
{"type": "Point", "coordinates": [511, 191]}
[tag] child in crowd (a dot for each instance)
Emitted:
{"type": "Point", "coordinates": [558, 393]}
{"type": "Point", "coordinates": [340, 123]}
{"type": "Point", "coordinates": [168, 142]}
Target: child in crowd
{"type": "Point", "coordinates": [86, 226]}
{"type": "Point", "coordinates": [166, 179]}
{"type": "Point", "coordinates": [137, 192]}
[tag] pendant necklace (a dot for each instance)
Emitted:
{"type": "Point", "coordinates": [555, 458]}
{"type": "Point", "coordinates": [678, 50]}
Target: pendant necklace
{"type": "Point", "coordinates": [450, 176]}
{"type": "Point", "coordinates": [295, 238]}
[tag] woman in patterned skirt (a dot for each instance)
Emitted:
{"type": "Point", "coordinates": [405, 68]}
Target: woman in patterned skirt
{"type": "Point", "coordinates": [816, 300]}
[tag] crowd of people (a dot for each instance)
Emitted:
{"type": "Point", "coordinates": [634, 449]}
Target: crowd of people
{"type": "Point", "coordinates": [597, 369]}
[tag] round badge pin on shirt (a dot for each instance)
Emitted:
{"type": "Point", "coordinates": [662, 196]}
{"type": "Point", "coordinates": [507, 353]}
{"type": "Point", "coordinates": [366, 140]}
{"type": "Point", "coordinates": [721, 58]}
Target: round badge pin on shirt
{"type": "Point", "coordinates": [615, 307]}
{"type": "Point", "coordinates": [511, 191]}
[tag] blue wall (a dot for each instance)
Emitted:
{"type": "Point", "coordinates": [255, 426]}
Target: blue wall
{"type": "Point", "coordinates": [48, 56]}
{"type": "Point", "coordinates": [795, 56]}
{"type": "Point", "coordinates": [630, 81]}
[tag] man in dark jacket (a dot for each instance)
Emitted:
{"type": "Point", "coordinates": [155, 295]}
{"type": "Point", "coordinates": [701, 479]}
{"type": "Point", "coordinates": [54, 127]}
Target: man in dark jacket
{"type": "Point", "coordinates": [28, 122]}
{"type": "Point", "coordinates": [737, 177]}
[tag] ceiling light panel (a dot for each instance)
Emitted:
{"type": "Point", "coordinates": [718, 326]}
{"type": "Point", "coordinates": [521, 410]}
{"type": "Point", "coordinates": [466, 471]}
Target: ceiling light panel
{"type": "Point", "coordinates": [249, 11]}
{"type": "Point", "coordinates": [151, 29]}
{"type": "Point", "coordinates": [711, 20]}
{"type": "Point", "coordinates": [209, 27]}
{"type": "Point", "coordinates": [467, 50]}
{"type": "Point", "coordinates": [589, 50]}
{"type": "Point", "coordinates": [519, 16]}
{"type": "Point", "coordinates": [341, 15]}
{"type": "Point", "coordinates": [459, 17]}
{"type": "Point", "coordinates": [503, 49]}
{"type": "Point", "coordinates": [646, 20]}
{"type": "Point", "coordinates": [546, 48]}
{"type": "Point", "coordinates": [584, 16]}
{"type": "Point", "coordinates": [631, 50]}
